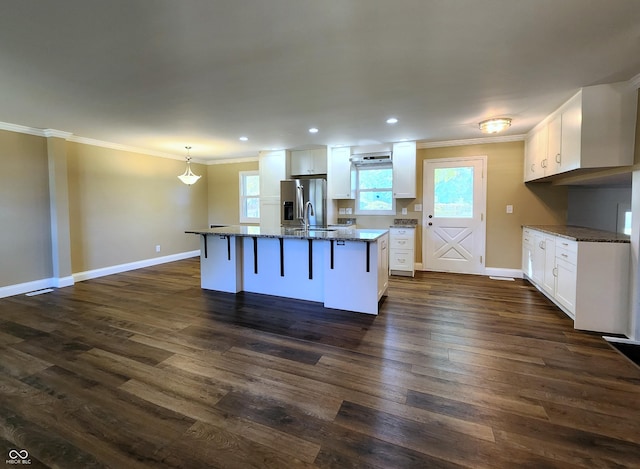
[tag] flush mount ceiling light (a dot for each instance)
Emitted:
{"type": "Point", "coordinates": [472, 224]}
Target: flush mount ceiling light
{"type": "Point", "coordinates": [392, 120]}
{"type": "Point", "coordinates": [188, 177]}
{"type": "Point", "coordinates": [244, 139]}
{"type": "Point", "coordinates": [313, 130]}
{"type": "Point", "coordinates": [493, 126]}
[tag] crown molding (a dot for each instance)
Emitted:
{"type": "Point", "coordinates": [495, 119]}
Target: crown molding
{"type": "Point", "coordinates": [471, 141]}
{"type": "Point", "coordinates": [242, 159]}
{"type": "Point", "coordinates": [117, 146]}
{"type": "Point", "coordinates": [56, 133]}
{"type": "Point", "coordinates": [21, 129]}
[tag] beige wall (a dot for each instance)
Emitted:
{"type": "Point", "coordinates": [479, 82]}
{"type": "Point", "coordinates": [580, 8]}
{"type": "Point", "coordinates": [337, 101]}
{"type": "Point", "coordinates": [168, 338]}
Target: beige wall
{"type": "Point", "coordinates": [224, 195]}
{"type": "Point", "coordinates": [25, 232]}
{"type": "Point", "coordinates": [539, 204]}
{"type": "Point", "coordinates": [123, 204]}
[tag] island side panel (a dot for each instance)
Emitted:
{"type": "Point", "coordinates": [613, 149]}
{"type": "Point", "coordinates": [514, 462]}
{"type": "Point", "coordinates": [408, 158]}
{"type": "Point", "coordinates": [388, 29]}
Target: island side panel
{"type": "Point", "coordinates": [295, 283]}
{"type": "Point", "coordinates": [347, 284]}
{"type": "Point", "coordinates": [217, 270]}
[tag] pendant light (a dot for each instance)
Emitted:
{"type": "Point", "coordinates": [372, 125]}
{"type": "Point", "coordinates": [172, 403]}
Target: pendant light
{"type": "Point", "coordinates": [188, 177]}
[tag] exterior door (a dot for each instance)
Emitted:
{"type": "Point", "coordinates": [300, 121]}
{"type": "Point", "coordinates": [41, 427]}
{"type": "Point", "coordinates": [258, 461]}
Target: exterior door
{"type": "Point", "coordinates": [454, 200]}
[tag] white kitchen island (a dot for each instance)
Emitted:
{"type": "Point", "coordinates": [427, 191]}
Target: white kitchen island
{"type": "Point", "coordinates": [342, 268]}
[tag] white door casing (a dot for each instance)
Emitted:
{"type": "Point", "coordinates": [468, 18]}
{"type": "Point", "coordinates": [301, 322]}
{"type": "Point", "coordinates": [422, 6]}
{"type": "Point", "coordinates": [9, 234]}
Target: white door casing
{"type": "Point", "coordinates": [454, 234]}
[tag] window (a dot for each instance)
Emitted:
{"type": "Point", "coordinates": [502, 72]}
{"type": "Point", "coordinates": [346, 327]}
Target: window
{"type": "Point", "coordinates": [249, 197]}
{"type": "Point", "coordinates": [453, 192]}
{"type": "Point", "coordinates": [374, 190]}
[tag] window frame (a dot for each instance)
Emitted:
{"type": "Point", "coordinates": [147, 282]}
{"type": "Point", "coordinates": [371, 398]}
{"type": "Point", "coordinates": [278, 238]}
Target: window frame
{"type": "Point", "coordinates": [358, 210]}
{"type": "Point", "coordinates": [243, 198]}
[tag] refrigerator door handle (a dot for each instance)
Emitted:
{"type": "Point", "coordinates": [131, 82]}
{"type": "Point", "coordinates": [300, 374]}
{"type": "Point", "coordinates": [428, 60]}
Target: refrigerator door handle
{"type": "Point", "coordinates": [299, 202]}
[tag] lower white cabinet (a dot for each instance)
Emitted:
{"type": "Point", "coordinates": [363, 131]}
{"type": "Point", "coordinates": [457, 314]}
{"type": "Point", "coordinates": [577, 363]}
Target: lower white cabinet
{"type": "Point", "coordinates": [589, 281]}
{"type": "Point", "coordinates": [401, 251]}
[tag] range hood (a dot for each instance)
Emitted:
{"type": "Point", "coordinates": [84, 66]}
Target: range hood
{"type": "Point", "coordinates": [379, 157]}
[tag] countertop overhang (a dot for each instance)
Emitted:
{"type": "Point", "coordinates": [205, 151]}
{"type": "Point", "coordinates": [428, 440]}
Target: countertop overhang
{"type": "Point", "coordinates": [337, 234]}
{"type": "Point", "coordinates": [582, 234]}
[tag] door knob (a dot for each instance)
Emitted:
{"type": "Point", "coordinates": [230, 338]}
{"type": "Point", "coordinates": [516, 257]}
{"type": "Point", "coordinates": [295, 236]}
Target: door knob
{"type": "Point", "coordinates": [430, 223]}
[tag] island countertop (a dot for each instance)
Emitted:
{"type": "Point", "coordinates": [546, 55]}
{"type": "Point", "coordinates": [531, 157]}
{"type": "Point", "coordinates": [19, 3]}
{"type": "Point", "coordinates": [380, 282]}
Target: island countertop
{"type": "Point", "coordinates": [580, 233]}
{"type": "Point", "coordinates": [337, 234]}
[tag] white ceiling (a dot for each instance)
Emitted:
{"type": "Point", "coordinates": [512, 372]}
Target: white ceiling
{"type": "Point", "coordinates": [161, 74]}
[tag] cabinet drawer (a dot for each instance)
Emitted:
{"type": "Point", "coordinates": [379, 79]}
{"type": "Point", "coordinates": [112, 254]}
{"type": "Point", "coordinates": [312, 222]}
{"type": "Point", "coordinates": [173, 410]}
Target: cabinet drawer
{"type": "Point", "coordinates": [399, 259]}
{"type": "Point", "coordinates": [401, 242]}
{"type": "Point", "coordinates": [569, 256]}
{"type": "Point", "coordinates": [567, 244]}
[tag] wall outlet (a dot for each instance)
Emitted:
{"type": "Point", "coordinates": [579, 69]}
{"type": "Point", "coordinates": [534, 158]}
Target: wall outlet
{"type": "Point", "coordinates": [348, 209]}
{"type": "Point", "coordinates": [509, 208]}
{"type": "Point", "coordinates": [417, 208]}
{"type": "Point", "coordinates": [341, 211]}
{"type": "Point", "coordinates": [157, 248]}
{"type": "Point", "coordinates": [404, 210]}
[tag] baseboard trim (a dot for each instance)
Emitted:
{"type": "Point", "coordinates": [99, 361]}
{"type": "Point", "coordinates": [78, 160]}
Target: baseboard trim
{"type": "Point", "coordinates": [491, 271]}
{"type": "Point", "coordinates": [499, 272]}
{"type": "Point", "coordinates": [22, 288]}
{"type": "Point", "coordinates": [62, 282]}
{"type": "Point", "coordinates": [116, 269]}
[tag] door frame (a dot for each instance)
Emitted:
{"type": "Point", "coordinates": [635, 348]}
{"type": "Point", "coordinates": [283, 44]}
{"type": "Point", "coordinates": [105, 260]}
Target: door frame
{"type": "Point", "coordinates": [483, 207]}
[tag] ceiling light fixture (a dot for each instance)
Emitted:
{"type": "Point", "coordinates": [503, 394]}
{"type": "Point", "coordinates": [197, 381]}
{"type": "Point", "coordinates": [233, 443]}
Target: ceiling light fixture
{"type": "Point", "coordinates": [244, 139]}
{"type": "Point", "coordinates": [392, 120]}
{"type": "Point", "coordinates": [313, 130]}
{"type": "Point", "coordinates": [188, 177]}
{"type": "Point", "coordinates": [493, 126]}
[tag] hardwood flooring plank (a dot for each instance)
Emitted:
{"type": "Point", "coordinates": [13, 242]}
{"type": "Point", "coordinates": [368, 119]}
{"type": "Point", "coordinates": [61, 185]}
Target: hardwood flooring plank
{"type": "Point", "coordinates": [146, 369]}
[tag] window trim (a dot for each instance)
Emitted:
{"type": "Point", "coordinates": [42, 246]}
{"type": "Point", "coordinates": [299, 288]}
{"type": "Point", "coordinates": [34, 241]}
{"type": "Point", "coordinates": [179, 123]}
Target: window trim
{"type": "Point", "coordinates": [243, 198]}
{"type": "Point", "coordinates": [358, 211]}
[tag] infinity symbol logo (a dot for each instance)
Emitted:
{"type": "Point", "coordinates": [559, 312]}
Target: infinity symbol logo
{"type": "Point", "coordinates": [15, 454]}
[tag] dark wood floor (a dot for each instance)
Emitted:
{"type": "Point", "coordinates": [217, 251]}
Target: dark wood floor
{"type": "Point", "coordinates": [145, 369]}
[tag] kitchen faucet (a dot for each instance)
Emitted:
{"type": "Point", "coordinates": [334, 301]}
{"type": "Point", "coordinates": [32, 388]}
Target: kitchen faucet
{"type": "Point", "coordinates": [308, 207]}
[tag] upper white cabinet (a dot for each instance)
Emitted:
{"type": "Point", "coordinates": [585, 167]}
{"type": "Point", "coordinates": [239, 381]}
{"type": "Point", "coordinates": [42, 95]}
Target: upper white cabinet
{"type": "Point", "coordinates": [339, 174]}
{"type": "Point", "coordinates": [309, 162]}
{"type": "Point", "coordinates": [404, 170]}
{"type": "Point", "coordinates": [594, 129]}
{"type": "Point", "coordinates": [273, 167]}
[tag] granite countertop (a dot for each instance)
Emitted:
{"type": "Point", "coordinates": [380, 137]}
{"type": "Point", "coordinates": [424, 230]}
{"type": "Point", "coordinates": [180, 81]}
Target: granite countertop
{"type": "Point", "coordinates": [404, 223]}
{"type": "Point", "coordinates": [337, 234]}
{"type": "Point", "coordinates": [580, 233]}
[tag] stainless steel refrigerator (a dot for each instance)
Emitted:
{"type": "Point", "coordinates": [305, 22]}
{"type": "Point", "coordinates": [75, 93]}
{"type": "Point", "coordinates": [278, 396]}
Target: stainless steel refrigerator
{"type": "Point", "coordinates": [294, 195]}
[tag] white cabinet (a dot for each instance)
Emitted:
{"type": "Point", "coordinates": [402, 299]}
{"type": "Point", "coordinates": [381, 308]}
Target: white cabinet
{"type": "Point", "coordinates": [383, 265]}
{"type": "Point", "coordinates": [401, 251]}
{"type": "Point", "coordinates": [589, 281]}
{"type": "Point", "coordinates": [404, 170]}
{"type": "Point", "coordinates": [340, 174]}
{"type": "Point", "coordinates": [309, 162]}
{"type": "Point", "coordinates": [273, 167]}
{"type": "Point", "coordinates": [593, 129]}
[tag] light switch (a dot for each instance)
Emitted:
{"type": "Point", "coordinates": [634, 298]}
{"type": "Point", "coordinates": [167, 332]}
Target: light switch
{"type": "Point", "coordinates": [348, 209]}
{"type": "Point", "coordinates": [417, 208]}
{"type": "Point", "coordinates": [341, 211]}
{"type": "Point", "coordinates": [509, 208]}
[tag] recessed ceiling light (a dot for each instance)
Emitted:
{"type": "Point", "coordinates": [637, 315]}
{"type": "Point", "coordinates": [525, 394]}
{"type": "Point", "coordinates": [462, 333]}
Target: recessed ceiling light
{"type": "Point", "coordinates": [313, 130]}
{"type": "Point", "coordinates": [244, 139]}
{"type": "Point", "coordinates": [392, 120]}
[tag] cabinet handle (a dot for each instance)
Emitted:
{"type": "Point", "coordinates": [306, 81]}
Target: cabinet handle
{"type": "Point", "coordinates": [565, 244]}
{"type": "Point", "coordinates": [564, 255]}
{"type": "Point", "coordinates": [558, 158]}
{"type": "Point", "coordinates": [555, 271]}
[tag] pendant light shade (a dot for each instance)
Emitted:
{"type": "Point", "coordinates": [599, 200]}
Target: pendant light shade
{"type": "Point", "coordinates": [188, 177]}
{"type": "Point", "coordinates": [493, 126]}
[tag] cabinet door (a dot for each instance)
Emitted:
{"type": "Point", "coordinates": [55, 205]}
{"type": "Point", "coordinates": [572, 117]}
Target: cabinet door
{"type": "Point", "coordinates": [538, 258]}
{"type": "Point", "coordinates": [527, 259]}
{"type": "Point", "coordinates": [571, 135]}
{"type": "Point", "coordinates": [404, 170]}
{"type": "Point", "coordinates": [272, 167]}
{"type": "Point", "coordinates": [566, 284]}
{"type": "Point", "coordinates": [339, 174]}
{"type": "Point", "coordinates": [554, 146]}
{"type": "Point", "coordinates": [549, 278]}
{"type": "Point", "coordinates": [308, 162]}
{"type": "Point", "coordinates": [319, 158]}
{"type": "Point", "coordinates": [534, 157]}
{"type": "Point", "coordinates": [383, 265]}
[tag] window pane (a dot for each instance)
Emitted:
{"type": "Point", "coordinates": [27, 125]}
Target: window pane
{"type": "Point", "coordinates": [453, 192]}
{"type": "Point", "coordinates": [252, 207]}
{"type": "Point", "coordinates": [252, 185]}
{"type": "Point", "coordinates": [375, 178]}
{"type": "Point", "coordinates": [375, 200]}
